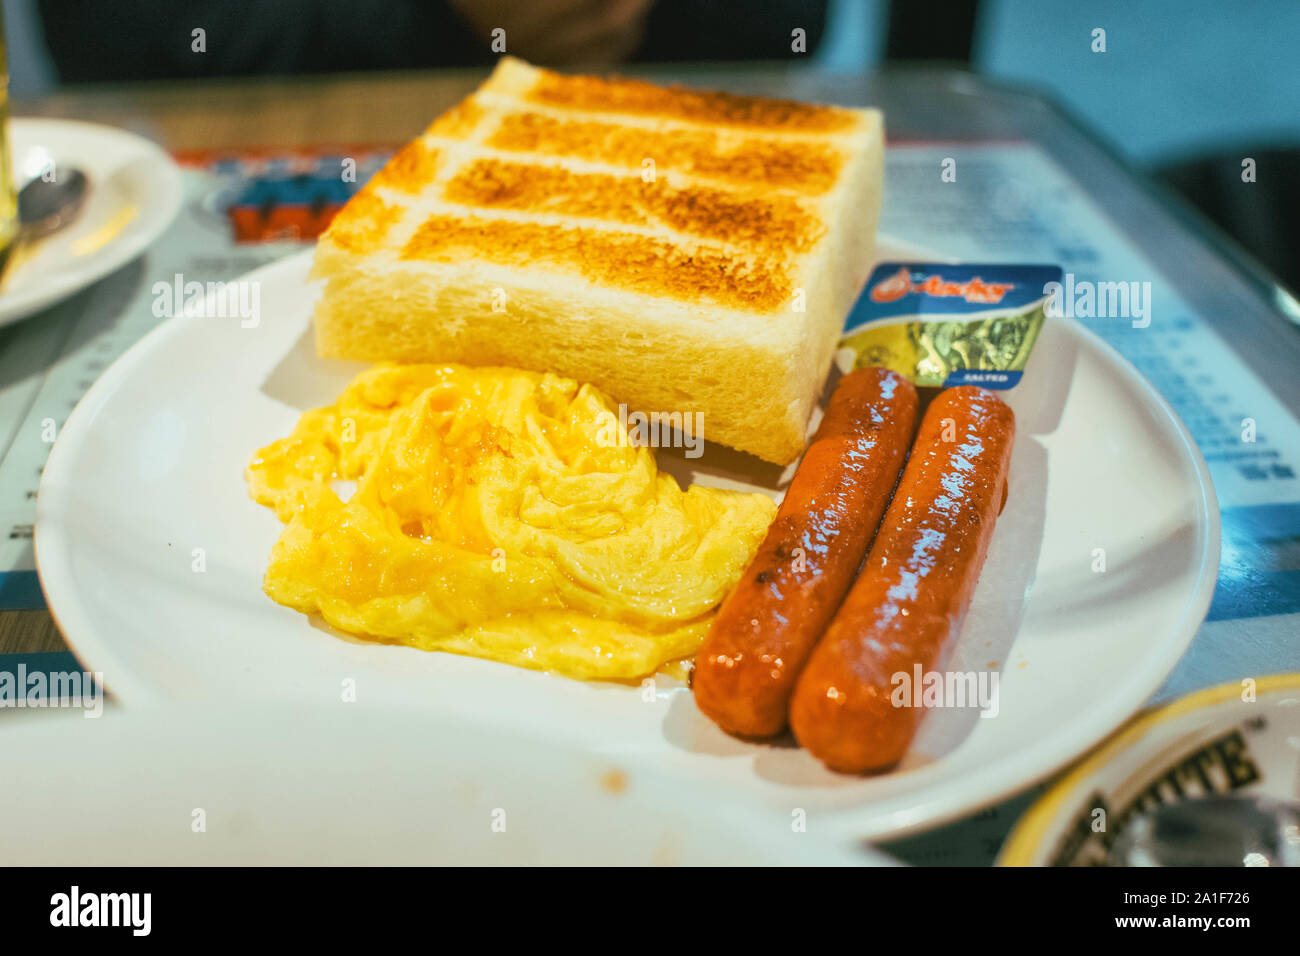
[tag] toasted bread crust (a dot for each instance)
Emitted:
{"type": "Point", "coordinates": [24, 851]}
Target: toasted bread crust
{"type": "Point", "coordinates": [810, 167]}
{"type": "Point", "coordinates": [637, 97]}
{"type": "Point", "coordinates": [411, 170]}
{"type": "Point", "coordinates": [362, 225]}
{"type": "Point", "coordinates": [634, 263]}
{"type": "Point", "coordinates": [707, 212]}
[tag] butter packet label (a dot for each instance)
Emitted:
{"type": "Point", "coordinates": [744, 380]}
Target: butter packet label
{"type": "Point", "coordinates": [941, 324]}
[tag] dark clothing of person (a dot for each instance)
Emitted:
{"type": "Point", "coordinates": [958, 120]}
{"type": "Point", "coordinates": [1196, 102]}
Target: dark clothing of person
{"type": "Point", "coordinates": [109, 40]}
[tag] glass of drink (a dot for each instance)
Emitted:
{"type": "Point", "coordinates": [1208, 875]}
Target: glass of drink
{"type": "Point", "coordinates": [8, 197]}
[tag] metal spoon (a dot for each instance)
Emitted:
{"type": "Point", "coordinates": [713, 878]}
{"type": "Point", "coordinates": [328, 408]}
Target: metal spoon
{"type": "Point", "coordinates": [46, 206]}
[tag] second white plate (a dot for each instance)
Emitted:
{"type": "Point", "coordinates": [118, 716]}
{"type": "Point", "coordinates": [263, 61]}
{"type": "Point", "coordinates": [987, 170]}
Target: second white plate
{"type": "Point", "coordinates": [135, 193]}
{"type": "Point", "coordinates": [148, 475]}
{"type": "Point", "coordinates": [359, 785]}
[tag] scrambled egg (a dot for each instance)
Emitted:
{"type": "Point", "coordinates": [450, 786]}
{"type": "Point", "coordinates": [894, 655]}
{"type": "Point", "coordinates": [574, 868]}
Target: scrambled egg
{"type": "Point", "coordinates": [492, 516]}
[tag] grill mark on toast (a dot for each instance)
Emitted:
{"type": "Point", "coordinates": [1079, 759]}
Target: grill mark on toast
{"type": "Point", "coordinates": [413, 168]}
{"type": "Point", "coordinates": [682, 103]}
{"type": "Point", "coordinates": [362, 224]}
{"type": "Point", "coordinates": [808, 167]}
{"type": "Point", "coordinates": [614, 260]}
{"type": "Point", "coordinates": [775, 222]}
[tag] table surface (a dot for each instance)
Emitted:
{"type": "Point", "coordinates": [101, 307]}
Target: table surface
{"type": "Point", "coordinates": [1226, 289]}
{"type": "Point", "coordinates": [351, 109]}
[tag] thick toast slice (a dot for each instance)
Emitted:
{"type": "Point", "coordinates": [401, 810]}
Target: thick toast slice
{"type": "Point", "coordinates": [683, 251]}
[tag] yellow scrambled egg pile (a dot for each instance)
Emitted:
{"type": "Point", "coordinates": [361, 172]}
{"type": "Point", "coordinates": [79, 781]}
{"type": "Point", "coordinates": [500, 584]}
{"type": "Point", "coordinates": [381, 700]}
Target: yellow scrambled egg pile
{"type": "Point", "coordinates": [492, 516]}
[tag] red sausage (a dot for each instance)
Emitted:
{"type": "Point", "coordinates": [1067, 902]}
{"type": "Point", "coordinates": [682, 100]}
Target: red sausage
{"type": "Point", "coordinates": [914, 588]}
{"type": "Point", "coordinates": [746, 670]}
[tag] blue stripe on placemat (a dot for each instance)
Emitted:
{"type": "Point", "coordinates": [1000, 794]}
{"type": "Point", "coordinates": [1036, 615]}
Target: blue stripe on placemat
{"type": "Point", "coordinates": [20, 591]}
{"type": "Point", "coordinates": [1259, 570]}
{"type": "Point", "coordinates": [46, 662]}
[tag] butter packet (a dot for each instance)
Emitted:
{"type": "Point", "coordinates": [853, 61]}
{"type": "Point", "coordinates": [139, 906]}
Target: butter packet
{"type": "Point", "coordinates": [941, 324]}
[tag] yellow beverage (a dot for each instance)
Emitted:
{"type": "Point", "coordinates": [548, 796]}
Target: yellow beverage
{"type": "Point", "coordinates": [8, 197]}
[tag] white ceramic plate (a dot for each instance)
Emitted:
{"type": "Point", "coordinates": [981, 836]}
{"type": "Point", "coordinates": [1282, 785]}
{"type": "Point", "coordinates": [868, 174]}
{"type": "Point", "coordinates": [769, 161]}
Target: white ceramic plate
{"type": "Point", "coordinates": [359, 785]}
{"type": "Point", "coordinates": [1256, 721]}
{"type": "Point", "coordinates": [135, 193]}
{"type": "Point", "coordinates": [149, 468]}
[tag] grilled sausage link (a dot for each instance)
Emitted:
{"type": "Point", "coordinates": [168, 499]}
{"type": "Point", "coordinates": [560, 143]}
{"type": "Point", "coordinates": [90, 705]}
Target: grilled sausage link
{"type": "Point", "coordinates": [914, 588]}
{"type": "Point", "coordinates": [746, 669]}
